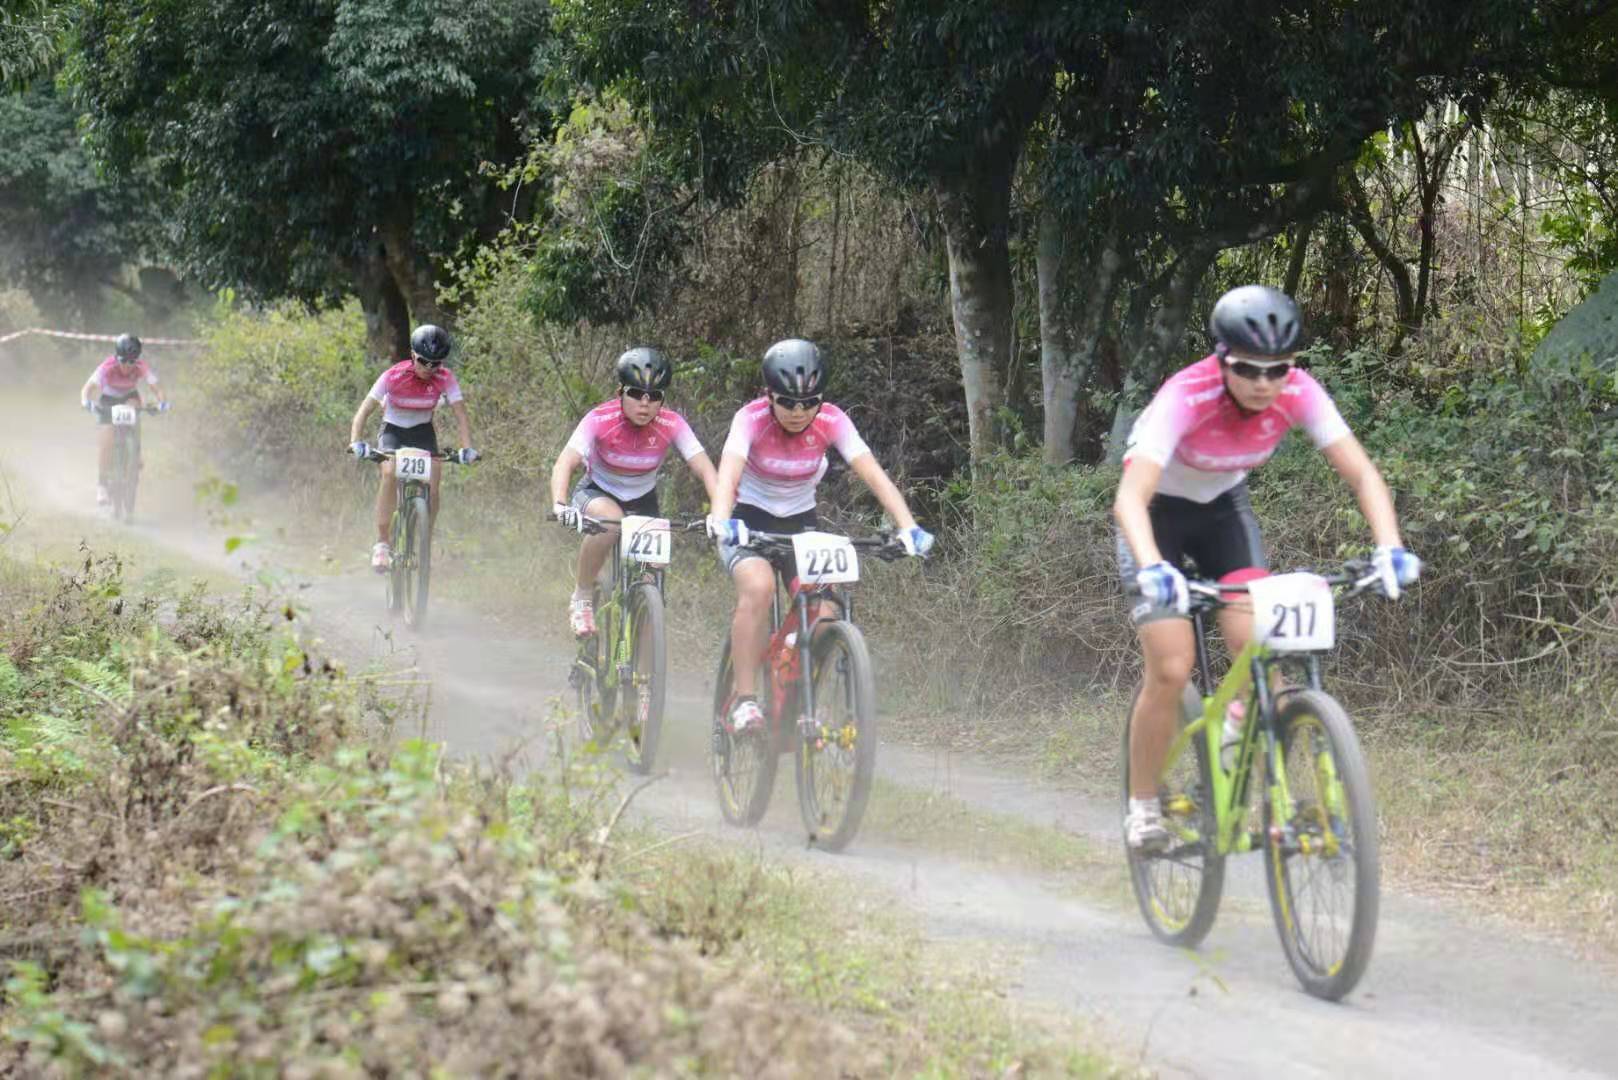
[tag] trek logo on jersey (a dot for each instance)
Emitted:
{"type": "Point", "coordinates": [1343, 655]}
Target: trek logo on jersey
{"type": "Point", "coordinates": [789, 466]}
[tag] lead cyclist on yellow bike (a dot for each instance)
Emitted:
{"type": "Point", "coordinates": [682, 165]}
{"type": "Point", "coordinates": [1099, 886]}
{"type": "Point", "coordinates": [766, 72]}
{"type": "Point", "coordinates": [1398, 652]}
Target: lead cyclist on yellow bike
{"type": "Point", "coordinates": [1184, 495]}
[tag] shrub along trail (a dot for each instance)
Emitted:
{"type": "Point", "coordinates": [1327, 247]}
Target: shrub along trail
{"type": "Point", "coordinates": [1443, 994]}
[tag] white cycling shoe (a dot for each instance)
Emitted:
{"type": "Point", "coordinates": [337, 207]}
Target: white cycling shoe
{"type": "Point", "coordinates": [746, 716]}
{"type": "Point", "coordinates": [1143, 826]}
{"type": "Point", "coordinates": [381, 557]}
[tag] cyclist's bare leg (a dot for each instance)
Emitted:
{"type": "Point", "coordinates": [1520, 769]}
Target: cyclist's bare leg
{"type": "Point", "coordinates": [597, 546]}
{"type": "Point", "coordinates": [103, 454]}
{"type": "Point", "coordinates": [385, 497]}
{"type": "Point", "coordinates": [1169, 651]}
{"type": "Point", "coordinates": [755, 585]}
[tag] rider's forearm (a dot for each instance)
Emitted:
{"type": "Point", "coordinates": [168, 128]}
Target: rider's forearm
{"type": "Point", "coordinates": [869, 470]}
{"type": "Point", "coordinates": [356, 427]}
{"type": "Point", "coordinates": [703, 467]}
{"type": "Point", "coordinates": [724, 489]}
{"type": "Point", "coordinates": [561, 473]}
{"type": "Point", "coordinates": [464, 422]}
{"type": "Point", "coordinates": [1376, 503]}
{"type": "Point", "coordinates": [1129, 510]}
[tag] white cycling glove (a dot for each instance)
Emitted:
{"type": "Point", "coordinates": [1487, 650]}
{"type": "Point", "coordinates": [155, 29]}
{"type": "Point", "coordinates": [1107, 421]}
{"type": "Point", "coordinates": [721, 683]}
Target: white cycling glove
{"type": "Point", "coordinates": [732, 531]}
{"type": "Point", "coordinates": [567, 516]}
{"type": "Point", "coordinates": [1395, 568]}
{"type": "Point", "coordinates": [466, 455]}
{"type": "Point", "coordinates": [360, 449]}
{"type": "Point", "coordinates": [916, 541]}
{"type": "Point", "coordinates": [1164, 587]}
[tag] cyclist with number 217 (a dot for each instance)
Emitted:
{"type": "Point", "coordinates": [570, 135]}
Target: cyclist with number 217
{"type": "Point", "coordinates": [1184, 496]}
{"type": "Point", "coordinates": [769, 468]}
{"type": "Point", "coordinates": [408, 393]}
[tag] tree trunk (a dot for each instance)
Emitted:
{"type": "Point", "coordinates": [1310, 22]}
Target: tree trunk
{"type": "Point", "coordinates": [976, 210]}
{"type": "Point", "coordinates": [387, 318]}
{"type": "Point", "coordinates": [1075, 301]}
{"type": "Point", "coordinates": [1299, 255]}
{"type": "Point", "coordinates": [412, 274]}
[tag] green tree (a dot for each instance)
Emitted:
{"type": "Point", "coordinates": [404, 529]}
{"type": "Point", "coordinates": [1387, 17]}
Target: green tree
{"type": "Point", "coordinates": [320, 149]}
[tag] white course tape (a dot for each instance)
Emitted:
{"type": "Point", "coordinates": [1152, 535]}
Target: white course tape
{"type": "Point", "coordinates": [96, 337]}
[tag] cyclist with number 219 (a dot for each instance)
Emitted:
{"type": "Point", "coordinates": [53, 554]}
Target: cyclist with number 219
{"type": "Point", "coordinates": [1184, 496]}
{"type": "Point", "coordinates": [772, 461]}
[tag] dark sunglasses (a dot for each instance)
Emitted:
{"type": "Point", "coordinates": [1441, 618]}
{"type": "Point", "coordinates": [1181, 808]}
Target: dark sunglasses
{"type": "Point", "coordinates": [811, 402]}
{"type": "Point", "coordinates": [1246, 370]}
{"type": "Point", "coordinates": [643, 395]}
{"type": "Point", "coordinates": [424, 362]}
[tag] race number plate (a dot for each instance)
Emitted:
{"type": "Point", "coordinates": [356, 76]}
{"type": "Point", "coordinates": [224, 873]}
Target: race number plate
{"type": "Point", "coordinates": [124, 415]}
{"type": "Point", "coordinates": [825, 559]}
{"type": "Point", "coordinates": [412, 464]}
{"type": "Point", "coordinates": [644, 540]}
{"type": "Point", "coordinates": [1294, 612]}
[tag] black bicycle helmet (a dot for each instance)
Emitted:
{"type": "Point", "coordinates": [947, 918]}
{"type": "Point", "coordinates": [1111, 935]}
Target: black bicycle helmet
{"type": "Point", "coordinates": [430, 342]}
{"type": "Point", "coordinates": [1256, 320]}
{"type": "Point", "coordinates": [127, 347]}
{"type": "Point", "coordinates": [645, 368]}
{"type": "Point", "coordinates": [794, 367]}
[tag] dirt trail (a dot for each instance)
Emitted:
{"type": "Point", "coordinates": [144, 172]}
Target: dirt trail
{"type": "Point", "coordinates": [1444, 994]}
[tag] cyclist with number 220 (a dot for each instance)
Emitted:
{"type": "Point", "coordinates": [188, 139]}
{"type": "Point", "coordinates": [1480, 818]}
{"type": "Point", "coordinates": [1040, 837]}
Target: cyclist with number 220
{"type": "Point", "coordinates": [1184, 495]}
{"type": "Point", "coordinates": [768, 471]}
{"type": "Point", "coordinates": [408, 394]}
{"type": "Point", "coordinates": [621, 443]}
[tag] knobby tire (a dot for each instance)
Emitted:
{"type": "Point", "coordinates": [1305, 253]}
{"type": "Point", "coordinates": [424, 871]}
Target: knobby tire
{"type": "Point", "coordinates": [844, 761]}
{"type": "Point", "coordinates": [743, 767]}
{"type": "Point", "coordinates": [1178, 890]}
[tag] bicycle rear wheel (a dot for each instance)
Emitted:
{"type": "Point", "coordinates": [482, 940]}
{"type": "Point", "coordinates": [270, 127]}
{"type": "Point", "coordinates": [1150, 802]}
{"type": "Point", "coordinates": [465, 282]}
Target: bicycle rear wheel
{"type": "Point", "coordinates": [743, 766]}
{"type": "Point", "coordinates": [642, 694]}
{"type": "Point", "coordinates": [1179, 888]}
{"type": "Point", "coordinates": [418, 563]}
{"type": "Point", "coordinates": [1320, 852]}
{"type": "Point", "coordinates": [837, 757]}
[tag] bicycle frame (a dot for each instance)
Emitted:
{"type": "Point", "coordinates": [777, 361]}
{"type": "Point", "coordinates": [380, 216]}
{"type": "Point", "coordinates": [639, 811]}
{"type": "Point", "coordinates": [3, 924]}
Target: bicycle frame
{"type": "Point", "coordinates": [799, 679]}
{"type": "Point", "coordinates": [620, 650]}
{"type": "Point", "coordinates": [1249, 679]}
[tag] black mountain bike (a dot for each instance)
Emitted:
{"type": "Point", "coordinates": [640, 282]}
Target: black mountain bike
{"type": "Point", "coordinates": [410, 534]}
{"type": "Point", "coordinates": [124, 481]}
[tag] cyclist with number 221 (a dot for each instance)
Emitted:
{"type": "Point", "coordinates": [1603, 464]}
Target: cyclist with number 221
{"type": "Point", "coordinates": [115, 381]}
{"type": "Point", "coordinates": [1184, 494]}
{"type": "Point", "coordinates": [408, 393]}
{"type": "Point", "coordinates": [769, 468]}
{"type": "Point", "coordinates": [621, 443]}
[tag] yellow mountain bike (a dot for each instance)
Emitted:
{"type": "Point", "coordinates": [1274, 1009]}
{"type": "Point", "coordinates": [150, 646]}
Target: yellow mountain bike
{"type": "Point", "coordinates": [1315, 819]}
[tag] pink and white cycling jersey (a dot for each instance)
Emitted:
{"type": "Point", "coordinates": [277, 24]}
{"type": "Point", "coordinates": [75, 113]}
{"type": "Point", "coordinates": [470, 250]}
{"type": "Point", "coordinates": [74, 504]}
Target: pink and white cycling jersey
{"type": "Point", "coordinates": [622, 459]}
{"type": "Point", "coordinates": [121, 380]}
{"type": "Point", "coordinates": [783, 469]}
{"type": "Point", "coordinates": [1206, 444]}
{"type": "Point", "coordinates": [409, 401]}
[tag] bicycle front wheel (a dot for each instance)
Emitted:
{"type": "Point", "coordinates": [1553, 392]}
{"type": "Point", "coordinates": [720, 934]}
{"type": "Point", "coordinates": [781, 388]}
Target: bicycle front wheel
{"type": "Point", "coordinates": [1179, 888]}
{"type": "Point", "coordinates": [743, 766]}
{"type": "Point", "coordinates": [418, 563]}
{"type": "Point", "coordinates": [643, 692]}
{"type": "Point", "coordinates": [1320, 852]}
{"type": "Point", "coordinates": [837, 754]}
{"type": "Point", "coordinates": [125, 473]}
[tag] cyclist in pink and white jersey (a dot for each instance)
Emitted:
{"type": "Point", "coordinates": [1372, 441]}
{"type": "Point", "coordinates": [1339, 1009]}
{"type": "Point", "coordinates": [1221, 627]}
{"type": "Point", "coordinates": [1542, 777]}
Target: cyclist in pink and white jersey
{"type": "Point", "coordinates": [621, 443]}
{"type": "Point", "coordinates": [408, 394]}
{"type": "Point", "coordinates": [1183, 498]}
{"type": "Point", "coordinates": [768, 471]}
{"type": "Point", "coordinates": [116, 380]}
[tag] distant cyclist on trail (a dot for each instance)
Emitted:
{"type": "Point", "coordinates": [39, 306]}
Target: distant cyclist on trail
{"type": "Point", "coordinates": [1184, 497]}
{"type": "Point", "coordinates": [116, 381]}
{"type": "Point", "coordinates": [768, 471]}
{"type": "Point", "coordinates": [408, 394]}
{"type": "Point", "coordinates": [621, 443]}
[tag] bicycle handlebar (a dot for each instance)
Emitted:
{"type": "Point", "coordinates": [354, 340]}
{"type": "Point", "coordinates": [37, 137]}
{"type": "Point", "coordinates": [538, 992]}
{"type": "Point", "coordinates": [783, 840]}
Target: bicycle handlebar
{"type": "Point", "coordinates": [442, 455]}
{"type": "Point", "coordinates": [885, 545]}
{"type": "Point", "coordinates": [593, 525]}
{"type": "Point", "coordinates": [1357, 574]}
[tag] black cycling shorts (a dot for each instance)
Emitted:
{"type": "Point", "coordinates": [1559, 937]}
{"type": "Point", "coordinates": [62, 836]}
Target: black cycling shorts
{"type": "Point", "coordinates": [763, 521]}
{"type": "Point", "coordinates": [420, 437]}
{"type": "Point", "coordinates": [645, 505]}
{"type": "Point", "coordinates": [1205, 540]}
